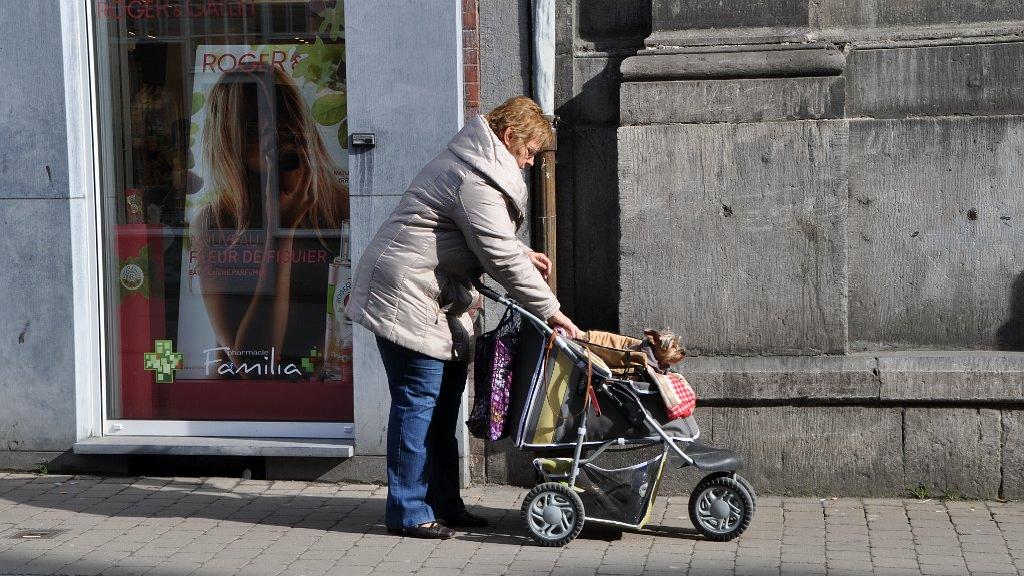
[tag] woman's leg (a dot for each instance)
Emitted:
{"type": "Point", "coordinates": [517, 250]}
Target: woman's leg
{"type": "Point", "coordinates": [443, 445]}
{"type": "Point", "coordinates": [415, 381]}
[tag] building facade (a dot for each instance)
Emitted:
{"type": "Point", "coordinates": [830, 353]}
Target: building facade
{"type": "Point", "coordinates": [823, 200]}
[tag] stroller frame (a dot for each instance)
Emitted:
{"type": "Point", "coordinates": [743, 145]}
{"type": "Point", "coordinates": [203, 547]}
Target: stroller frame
{"type": "Point", "coordinates": [721, 505]}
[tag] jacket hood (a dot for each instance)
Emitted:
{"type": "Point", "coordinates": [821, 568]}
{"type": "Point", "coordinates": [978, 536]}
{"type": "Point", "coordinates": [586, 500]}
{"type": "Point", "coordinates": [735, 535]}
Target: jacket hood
{"type": "Point", "coordinates": [477, 145]}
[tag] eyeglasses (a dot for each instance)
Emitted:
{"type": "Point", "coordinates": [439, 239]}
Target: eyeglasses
{"type": "Point", "coordinates": [532, 151]}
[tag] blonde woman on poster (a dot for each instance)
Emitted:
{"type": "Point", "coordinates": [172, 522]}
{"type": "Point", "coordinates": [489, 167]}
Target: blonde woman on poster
{"type": "Point", "coordinates": [262, 243]}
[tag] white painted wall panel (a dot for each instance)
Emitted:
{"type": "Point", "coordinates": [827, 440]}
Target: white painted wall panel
{"type": "Point", "coordinates": [404, 73]}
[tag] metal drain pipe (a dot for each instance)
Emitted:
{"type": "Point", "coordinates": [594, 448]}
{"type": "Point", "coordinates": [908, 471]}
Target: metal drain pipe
{"type": "Point", "coordinates": [544, 224]}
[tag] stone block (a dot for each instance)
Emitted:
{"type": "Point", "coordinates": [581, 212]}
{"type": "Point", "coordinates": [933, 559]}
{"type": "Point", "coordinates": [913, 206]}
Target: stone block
{"type": "Point", "coordinates": [34, 155]}
{"type": "Point", "coordinates": [933, 232]}
{"type": "Point", "coordinates": [747, 100]}
{"type": "Point", "coordinates": [953, 449]}
{"type": "Point", "coordinates": [1013, 454]}
{"type": "Point", "coordinates": [876, 15]}
{"type": "Point", "coordinates": [719, 379]}
{"type": "Point", "coordinates": [477, 465]}
{"type": "Point", "coordinates": [980, 79]}
{"type": "Point", "coordinates": [565, 27]}
{"type": "Point", "coordinates": [37, 374]}
{"type": "Point", "coordinates": [496, 460]}
{"type": "Point", "coordinates": [951, 376]}
{"type": "Point", "coordinates": [507, 464]}
{"type": "Point", "coordinates": [687, 14]}
{"type": "Point", "coordinates": [565, 212]}
{"type": "Point", "coordinates": [782, 60]}
{"type": "Point", "coordinates": [565, 89]}
{"type": "Point", "coordinates": [850, 451]}
{"type": "Point", "coordinates": [889, 13]}
{"type": "Point", "coordinates": [733, 235]}
{"type": "Point", "coordinates": [595, 94]}
{"type": "Point", "coordinates": [594, 226]}
{"type": "Point", "coordinates": [600, 21]}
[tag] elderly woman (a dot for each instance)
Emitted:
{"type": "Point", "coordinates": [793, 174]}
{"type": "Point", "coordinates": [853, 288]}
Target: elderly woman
{"type": "Point", "coordinates": [413, 289]}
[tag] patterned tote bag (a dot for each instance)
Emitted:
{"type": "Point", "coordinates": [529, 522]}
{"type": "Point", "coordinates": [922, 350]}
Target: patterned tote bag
{"type": "Point", "coordinates": [492, 377]}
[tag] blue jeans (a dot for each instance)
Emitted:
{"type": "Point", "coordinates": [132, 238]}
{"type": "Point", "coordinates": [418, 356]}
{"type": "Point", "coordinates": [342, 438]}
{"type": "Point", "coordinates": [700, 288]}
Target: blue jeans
{"type": "Point", "coordinates": [423, 451]}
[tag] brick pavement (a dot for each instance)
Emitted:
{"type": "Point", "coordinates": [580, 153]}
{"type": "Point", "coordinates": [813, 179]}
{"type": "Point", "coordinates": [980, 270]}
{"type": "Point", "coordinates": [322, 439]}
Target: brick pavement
{"type": "Point", "coordinates": [220, 526]}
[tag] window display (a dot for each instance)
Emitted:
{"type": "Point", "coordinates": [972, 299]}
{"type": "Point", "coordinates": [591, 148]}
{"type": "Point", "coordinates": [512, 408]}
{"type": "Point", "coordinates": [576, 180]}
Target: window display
{"type": "Point", "coordinates": [223, 152]}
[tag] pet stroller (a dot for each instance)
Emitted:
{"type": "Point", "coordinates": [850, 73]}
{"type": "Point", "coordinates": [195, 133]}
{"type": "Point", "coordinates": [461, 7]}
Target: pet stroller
{"type": "Point", "coordinates": [563, 398]}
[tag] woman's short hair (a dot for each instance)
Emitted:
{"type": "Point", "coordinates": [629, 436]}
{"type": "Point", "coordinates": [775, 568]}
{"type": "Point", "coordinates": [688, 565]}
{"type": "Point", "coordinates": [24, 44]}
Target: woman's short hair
{"type": "Point", "coordinates": [525, 118]}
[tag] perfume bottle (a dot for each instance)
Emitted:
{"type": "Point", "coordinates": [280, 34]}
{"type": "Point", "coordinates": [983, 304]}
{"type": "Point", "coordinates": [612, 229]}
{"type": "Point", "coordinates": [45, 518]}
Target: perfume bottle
{"type": "Point", "coordinates": [338, 337]}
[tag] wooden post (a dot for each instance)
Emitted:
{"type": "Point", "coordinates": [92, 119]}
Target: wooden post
{"type": "Point", "coordinates": [545, 222]}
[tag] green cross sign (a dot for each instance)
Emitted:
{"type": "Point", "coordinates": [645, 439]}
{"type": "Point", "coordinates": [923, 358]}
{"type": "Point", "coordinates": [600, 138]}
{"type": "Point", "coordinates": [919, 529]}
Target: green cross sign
{"type": "Point", "coordinates": [164, 361]}
{"type": "Point", "coordinates": [308, 362]}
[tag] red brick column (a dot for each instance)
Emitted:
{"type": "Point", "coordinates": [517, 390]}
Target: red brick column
{"type": "Point", "coordinates": [471, 56]}
{"type": "Point", "coordinates": [471, 90]}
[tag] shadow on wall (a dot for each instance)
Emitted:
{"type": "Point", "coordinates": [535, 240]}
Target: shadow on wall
{"type": "Point", "coordinates": [606, 32]}
{"type": "Point", "coordinates": [588, 207]}
{"type": "Point", "coordinates": [611, 24]}
{"type": "Point", "coordinates": [1010, 336]}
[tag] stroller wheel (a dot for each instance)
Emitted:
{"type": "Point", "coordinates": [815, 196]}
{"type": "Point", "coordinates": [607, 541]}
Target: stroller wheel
{"type": "Point", "coordinates": [721, 508]}
{"type": "Point", "coordinates": [553, 514]}
{"type": "Point", "coordinates": [750, 490]}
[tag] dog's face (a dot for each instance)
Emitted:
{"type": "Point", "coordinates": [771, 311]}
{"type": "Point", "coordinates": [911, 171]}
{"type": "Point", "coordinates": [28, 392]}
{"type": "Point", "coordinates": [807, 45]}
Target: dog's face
{"type": "Point", "coordinates": [666, 347]}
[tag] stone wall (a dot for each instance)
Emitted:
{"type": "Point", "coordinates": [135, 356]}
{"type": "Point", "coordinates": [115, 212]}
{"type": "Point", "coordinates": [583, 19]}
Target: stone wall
{"type": "Point", "coordinates": [824, 199]}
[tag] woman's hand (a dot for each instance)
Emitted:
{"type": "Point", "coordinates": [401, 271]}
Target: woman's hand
{"type": "Point", "coordinates": [542, 262]}
{"type": "Point", "coordinates": [562, 321]}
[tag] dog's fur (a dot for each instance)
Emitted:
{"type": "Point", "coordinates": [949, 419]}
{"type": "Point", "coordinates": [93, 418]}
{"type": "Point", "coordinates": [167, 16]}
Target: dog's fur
{"type": "Point", "coordinates": [666, 347]}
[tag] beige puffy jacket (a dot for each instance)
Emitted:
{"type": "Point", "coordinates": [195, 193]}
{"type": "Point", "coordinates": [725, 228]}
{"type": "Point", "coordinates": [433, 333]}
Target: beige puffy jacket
{"type": "Point", "coordinates": [413, 283]}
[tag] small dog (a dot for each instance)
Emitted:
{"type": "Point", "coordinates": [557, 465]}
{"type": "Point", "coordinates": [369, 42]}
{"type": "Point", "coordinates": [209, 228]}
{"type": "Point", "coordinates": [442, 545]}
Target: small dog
{"type": "Point", "coordinates": [659, 349]}
{"type": "Point", "coordinates": [664, 346]}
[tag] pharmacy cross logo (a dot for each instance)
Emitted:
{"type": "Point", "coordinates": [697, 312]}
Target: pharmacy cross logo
{"type": "Point", "coordinates": [308, 363]}
{"type": "Point", "coordinates": [164, 361]}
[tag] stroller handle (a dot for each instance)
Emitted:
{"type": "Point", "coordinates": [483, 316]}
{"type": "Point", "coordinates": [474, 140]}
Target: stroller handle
{"type": "Point", "coordinates": [510, 303]}
{"type": "Point", "coordinates": [574, 350]}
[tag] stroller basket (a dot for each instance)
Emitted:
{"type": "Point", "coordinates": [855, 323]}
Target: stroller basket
{"type": "Point", "coordinates": [618, 496]}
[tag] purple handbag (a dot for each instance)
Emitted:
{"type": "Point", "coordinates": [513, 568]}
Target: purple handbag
{"type": "Point", "coordinates": [492, 378]}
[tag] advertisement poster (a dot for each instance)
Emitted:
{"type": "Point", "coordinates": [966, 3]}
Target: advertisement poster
{"type": "Point", "coordinates": [265, 256]}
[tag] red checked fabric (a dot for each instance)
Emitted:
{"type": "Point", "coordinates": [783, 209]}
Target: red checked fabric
{"type": "Point", "coordinates": [687, 399]}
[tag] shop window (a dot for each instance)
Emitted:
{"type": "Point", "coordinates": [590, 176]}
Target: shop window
{"type": "Point", "coordinates": [224, 199]}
